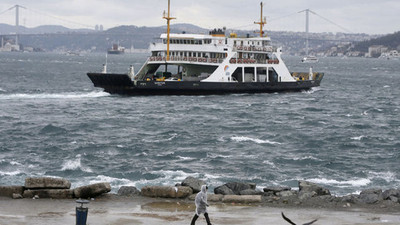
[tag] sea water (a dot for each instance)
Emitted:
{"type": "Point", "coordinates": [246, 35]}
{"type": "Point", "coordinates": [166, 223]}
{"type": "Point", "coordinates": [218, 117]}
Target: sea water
{"type": "Point", "coordinates": [344, 135]}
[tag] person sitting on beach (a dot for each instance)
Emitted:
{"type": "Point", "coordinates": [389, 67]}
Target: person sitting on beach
{"type": "Point", "coordinates": [201, 205]}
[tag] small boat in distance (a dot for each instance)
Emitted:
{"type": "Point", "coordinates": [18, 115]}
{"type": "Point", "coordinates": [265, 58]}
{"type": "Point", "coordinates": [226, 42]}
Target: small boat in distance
{"type": "Point", "coordinates": [116, 49]}
{"type": "Point", "coordinates": [204, 64]}
{"type": "Point", "coordinates": [309, 59]}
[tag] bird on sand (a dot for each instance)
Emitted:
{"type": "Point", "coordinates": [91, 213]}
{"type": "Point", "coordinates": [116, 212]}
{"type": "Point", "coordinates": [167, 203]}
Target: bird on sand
{"type": "Point", "coordinates": [289, 221]}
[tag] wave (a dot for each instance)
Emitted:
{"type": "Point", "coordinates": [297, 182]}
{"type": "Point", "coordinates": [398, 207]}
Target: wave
{"type": "Point", "coordinates": [305, 158]}
{"type": "Point", "coordinates": [75, 164]}
{"type": "Point", "coordinates": [312, 90]}
{"type": "Point", "coordinates": [2, 90]}
{"type": "Point", "coordinates": [173, 136]}
{"type": "Point", "coordinates": [388, 176]}
{"type": "Point", "coordinates": [66, 95]}
{"type": "Point", "coordinates": [352, 183]}
{"type": "Point", "coordinates": [13, 173]}
{"type": "Point", "coordinates": [358, 138]}
{"type": "Point", "coordinates": [255, 140]}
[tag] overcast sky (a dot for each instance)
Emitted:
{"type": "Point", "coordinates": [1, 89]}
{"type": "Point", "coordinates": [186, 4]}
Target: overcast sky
{"type": "Point", "coordinates": [356, 16]}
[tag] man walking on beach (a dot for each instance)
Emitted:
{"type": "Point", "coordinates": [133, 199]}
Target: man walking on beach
{"type": "Point", "coordinates": [201, 205]}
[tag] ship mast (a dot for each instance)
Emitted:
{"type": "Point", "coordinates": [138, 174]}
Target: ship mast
{"type": "Point", "coordinates": [168, 18]}
{"type": "Point", "coordinates": [262, 22]}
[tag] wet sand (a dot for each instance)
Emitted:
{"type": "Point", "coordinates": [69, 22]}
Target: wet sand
{"type": "Point", "coordinates": [141, 210]}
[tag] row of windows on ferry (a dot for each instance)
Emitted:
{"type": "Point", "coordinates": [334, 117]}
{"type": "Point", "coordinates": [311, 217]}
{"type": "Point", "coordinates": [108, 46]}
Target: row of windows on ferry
{"type": "Point", "coordinates": [192, 54]}
{"type": "Point", "coordinates": [211, 55]}
{"type": "Point", "coordinates": [219, 41]}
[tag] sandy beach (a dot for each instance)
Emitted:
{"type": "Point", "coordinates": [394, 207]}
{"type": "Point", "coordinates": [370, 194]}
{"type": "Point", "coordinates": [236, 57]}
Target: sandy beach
{"type": "Point", "coordinates": [141, 210]}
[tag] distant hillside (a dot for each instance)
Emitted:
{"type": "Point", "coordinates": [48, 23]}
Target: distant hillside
{"type": "Point", "coordinates": [45, 29]}
{"type": "Point", "coordinates": [391, 41]}
{"type": "Point", "coordinates": [58, 38]}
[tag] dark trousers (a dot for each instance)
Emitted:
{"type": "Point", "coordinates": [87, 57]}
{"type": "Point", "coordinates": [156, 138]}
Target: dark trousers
{"type": "Point", "coordinates": [196, 216]}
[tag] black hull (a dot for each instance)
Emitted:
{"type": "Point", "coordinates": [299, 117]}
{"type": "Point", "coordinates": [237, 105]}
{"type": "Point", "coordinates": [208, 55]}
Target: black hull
{"type": "Point", "coordinates": [122, 84]}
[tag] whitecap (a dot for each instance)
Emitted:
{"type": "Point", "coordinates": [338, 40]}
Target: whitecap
{"type": "Point", "coordinates": [185, 158]}
{"type": "Point", "coordinates": [173, 135]}
{"type": "Point", "coordinates": [386, 86]}
{"type": "Point", "coordinates": [354, 182]}
{"type": "Point", "coordinates": [305, 158]}
{"type": "Point", "coordinates": [255, 140]}
{"type": "Point", "coordinates": [312, 90]}
{"type": "Point", "coordinates": [66, 95]}
{"type": "Point", "coordinates": [357, 138]}
{"type": "Point", "coordinates": [387, 176]}
{"type": "Point", "coordinates": [14, 163]}
{"type": "Point", "coordinates": [75, 164]}
{"type": "Point", "coordinates": [2, 90]}
{"type": "Point", "coordinates": [269, 163]}
{"type": "Point", "coordinates": [13, 173]}
{"type": "Point", "coordinates": [116, 183]}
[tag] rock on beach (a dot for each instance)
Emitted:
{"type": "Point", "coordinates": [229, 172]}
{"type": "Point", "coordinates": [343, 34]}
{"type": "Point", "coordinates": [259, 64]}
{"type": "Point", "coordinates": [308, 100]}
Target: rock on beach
{"type": "Point", "coordinates": [92, 190]}
{"type": "Point", "coordinates": [8, 191]}
{"type": "Point", "coordinates": [46, 183]}
{"type": "Point", "coordinates": [167, 191]}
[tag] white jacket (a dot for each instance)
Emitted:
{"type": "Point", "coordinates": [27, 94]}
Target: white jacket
{"type": "Point", "coordinates": [201, 201]}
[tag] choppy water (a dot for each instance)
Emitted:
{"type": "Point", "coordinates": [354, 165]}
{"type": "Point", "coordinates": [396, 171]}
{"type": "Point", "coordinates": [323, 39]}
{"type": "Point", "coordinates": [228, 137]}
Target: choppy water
{"type": "Point", "coordinates": [344, 134]}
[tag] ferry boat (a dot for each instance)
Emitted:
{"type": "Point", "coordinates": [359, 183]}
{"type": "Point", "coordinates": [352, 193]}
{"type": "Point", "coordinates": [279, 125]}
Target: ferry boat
{"type": "Point", "coordinates": [213, 63]}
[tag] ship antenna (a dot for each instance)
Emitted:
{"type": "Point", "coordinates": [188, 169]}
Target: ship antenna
{"type": "Point", "coordinates": [168, 18]}
{"type": "Point", "coordinates": [262, 22]}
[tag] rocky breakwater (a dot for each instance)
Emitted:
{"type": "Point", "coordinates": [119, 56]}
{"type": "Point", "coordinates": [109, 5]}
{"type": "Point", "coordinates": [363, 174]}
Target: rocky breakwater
{"type": "Point", "coordinates": [50, 187]}
{"type": "Point", "coordinates": [313, 195]}
{"type": "Point", "coordinates": [307, 194]}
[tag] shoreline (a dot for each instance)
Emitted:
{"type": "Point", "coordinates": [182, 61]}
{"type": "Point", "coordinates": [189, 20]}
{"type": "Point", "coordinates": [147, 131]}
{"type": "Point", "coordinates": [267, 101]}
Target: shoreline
{"type": "Point", "coordinates": [118, 210]}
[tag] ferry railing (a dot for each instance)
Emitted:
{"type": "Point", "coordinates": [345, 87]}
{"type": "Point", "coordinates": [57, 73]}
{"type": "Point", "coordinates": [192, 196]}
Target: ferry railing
{"type": "Point", "coordinates": [186, 59]}
{"type": "Point", "coordinates": [213, 60]}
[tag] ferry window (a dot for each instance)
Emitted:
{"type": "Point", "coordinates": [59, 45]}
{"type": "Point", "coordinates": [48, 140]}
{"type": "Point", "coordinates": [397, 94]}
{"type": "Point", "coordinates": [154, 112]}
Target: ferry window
{"type": "Point", "coordinates": [164, 41]}
{"type": "Point", "coordinates": [234, 43]}
{"type": "Point", "coordinates": [200, 42]}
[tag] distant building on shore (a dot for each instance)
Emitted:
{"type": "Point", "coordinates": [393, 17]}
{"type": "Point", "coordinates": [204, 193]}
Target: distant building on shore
{"type": "Point", "coordinates": [8, 46]}
{"type": "Point", "coordinates": [376, 50]}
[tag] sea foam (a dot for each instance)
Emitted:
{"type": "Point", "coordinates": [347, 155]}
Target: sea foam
{"type": "Point", "coordinates": [67, 95]}
{"type": "Point", "coordinates": [350, 183]}
{"type": "Point", "coordinates": [75, 164]}
{"type": "Point", "coordinates": [255, 140]}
